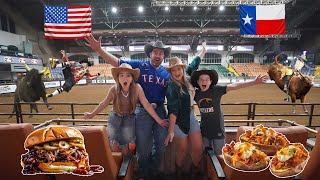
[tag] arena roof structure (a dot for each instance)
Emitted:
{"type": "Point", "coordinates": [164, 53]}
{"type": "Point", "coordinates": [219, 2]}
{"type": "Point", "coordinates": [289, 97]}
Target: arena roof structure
{"type": "Point", "coordinates": [177, 21]}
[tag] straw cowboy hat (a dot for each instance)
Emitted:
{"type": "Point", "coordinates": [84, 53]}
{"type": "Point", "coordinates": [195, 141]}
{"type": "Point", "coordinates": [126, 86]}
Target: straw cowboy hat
{"type": "Point", "coordinates": [148, 48]}
{"type": "Point", "coordinates": [212, 73]}
{"type": "Point", "coordinates": [127, 68]}
{"type": "Point", "coordinates": [175, 61]}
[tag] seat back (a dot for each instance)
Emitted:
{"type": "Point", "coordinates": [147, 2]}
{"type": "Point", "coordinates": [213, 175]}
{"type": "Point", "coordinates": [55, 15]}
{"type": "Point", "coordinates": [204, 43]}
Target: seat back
{"type": "Point", "coordinates": [294, 134]}
{"type": "Point", "coordinates": [311, 171]}
{"type": "Point", "coordinates": [12, 137]}
{"type": "Point", "coordinates": [97, 146]}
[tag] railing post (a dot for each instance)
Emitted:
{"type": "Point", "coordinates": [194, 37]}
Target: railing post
{"type": "Point", "coordinates": [20, 112]}
{"type": "Point", "coordinates": [311, 115]}
{"type": "Point", "coordinates": [72, 113]}
{"type": "Point", "coordinates": [17, 112]}
{"type": "Point", "coordinates": [249, 111]}
{"type": "Point", "coordinates": [253, 112]}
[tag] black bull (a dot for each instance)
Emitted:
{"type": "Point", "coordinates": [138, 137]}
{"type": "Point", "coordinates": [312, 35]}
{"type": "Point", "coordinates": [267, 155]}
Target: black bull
{"type": "Point", "coordinates": [29, 89]}
{"type": "Point", "coordinates": [299, 86]}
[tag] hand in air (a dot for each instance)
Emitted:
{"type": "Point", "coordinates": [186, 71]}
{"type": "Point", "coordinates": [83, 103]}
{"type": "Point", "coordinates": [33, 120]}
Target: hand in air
{"type": "Point", "coordinates": [93, 43]}
{"type": "Point", "coordinates": [169, 138]}
{"type": "Point", "coordinates": [261, 79]}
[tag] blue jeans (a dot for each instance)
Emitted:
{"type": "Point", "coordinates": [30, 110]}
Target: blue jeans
{"type": "Point", "coordinates": [215, 144]}
{"type": "Point", "coordinates": [121, 130]}
{"type": "Point", "coordinates": [150, 137]}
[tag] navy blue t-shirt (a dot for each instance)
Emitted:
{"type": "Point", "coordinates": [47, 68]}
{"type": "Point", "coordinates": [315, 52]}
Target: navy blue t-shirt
{"type": "Point", "coordinates": [153, 81]}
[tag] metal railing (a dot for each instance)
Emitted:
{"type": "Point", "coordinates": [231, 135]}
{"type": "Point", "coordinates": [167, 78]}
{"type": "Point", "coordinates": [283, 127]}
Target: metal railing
{"type": "Point", "coordinates": [251, 111]}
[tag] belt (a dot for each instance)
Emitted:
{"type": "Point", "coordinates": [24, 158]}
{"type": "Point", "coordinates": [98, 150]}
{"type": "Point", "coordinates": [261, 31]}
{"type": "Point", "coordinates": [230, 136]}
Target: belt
{"type": "Point", "coordinates": [124, 114]}
{"type": "Point", "coordinates": [154, 105]}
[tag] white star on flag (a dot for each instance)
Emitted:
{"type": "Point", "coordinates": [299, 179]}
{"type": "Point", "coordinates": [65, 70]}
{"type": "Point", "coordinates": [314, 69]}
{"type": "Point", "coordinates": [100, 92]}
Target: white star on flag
{"type": "Point", "coordinates": [247, 20]}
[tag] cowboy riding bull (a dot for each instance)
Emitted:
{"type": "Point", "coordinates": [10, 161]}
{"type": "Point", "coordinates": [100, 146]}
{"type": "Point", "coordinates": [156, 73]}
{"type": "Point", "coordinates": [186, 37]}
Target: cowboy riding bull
{"type": "Point", "coordinates": [298, 85]}
{"type": "Point", "coordinates": [30, 88]}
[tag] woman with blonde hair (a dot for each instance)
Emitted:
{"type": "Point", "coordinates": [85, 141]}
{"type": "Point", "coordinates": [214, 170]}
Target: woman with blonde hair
{"type": "Point", "coordinates": [124, 95]}
{"type": "Point", "coordinates": [183, 123]}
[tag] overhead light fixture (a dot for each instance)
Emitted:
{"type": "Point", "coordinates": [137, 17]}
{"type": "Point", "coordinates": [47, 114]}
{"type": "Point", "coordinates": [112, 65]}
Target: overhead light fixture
{"type": "Point", "coordinates": [114, 10]}
{"type": "Point", "coordinates": [140, 9]}
{"type": "Point", "coordinates": [166, 8]}
{"type": "Point", "coordinates": [221, 8]}
{"type": "Point", "coordinates": [195, 8]}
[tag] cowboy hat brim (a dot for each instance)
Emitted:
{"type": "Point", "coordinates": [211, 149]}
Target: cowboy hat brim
{"type": "Point", "coordinates": [148, 48]}
{"type": "Point", "coordinates": [212, 73]}
{"type": "Point", "coordinates": [170, 67]}
{"type": "Point", "coordinates": [116, 70]}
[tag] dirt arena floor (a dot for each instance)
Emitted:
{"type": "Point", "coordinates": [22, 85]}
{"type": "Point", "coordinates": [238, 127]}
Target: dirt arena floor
{"type": "Point", "coordinates": [267, 93]}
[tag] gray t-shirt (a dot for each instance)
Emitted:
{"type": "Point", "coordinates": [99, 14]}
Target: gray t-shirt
{"type": "Point", "coordinates": [209, 103]}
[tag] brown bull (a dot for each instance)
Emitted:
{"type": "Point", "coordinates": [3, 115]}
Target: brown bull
{"type": "Point", "coordinates": [298, 87]}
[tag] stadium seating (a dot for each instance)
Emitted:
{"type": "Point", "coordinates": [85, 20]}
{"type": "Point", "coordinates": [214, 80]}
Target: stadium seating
{"type": "Point", "coordinates": [97, 146]}
{"type": "Point", "coordinates": [251, 69]}
{"type": "Point", "coordinates": [221, 70]}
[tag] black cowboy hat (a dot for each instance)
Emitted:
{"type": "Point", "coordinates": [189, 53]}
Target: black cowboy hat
{"type": "Point", "coordinates": [212, 73]}
{"type": "Point", "coordinates": [85, 61]}
{"type": "Point", "coordinates": [158, 44]}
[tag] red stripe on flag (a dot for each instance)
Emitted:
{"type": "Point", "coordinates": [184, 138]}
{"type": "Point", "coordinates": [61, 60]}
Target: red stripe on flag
{"type": "Point", "coordinates": [77, 7]}
{"type": "Point", "coordinates": [69, 17]}
{"type": "Point", "coordinates": [67, 38]}
{"type": "Point", "coordinates": [66, 27]}
{"type": "Point", "coordinates": [76, 12]}
{"type": "Point", "coordinates": [78, 32]}
{"type": "Point", "coordinates": [269, 27]}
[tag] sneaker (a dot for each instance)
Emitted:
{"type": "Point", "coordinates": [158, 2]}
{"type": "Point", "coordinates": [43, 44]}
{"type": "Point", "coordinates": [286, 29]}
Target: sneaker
{"type": "Point", "coordinates": [49, 95]}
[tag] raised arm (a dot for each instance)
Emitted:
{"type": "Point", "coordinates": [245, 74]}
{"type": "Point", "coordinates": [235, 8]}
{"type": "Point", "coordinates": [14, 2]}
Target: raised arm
{"type": "Point", "coordinates": [194, 65]}
{"type": "Point", "coordinates": [259, 80]}
{"type": "Point", "coordinates": [103, 104]}
{"type": "Point", "coordinates": [96, 46]}
{"type": "Point", "coordinates": [147, 106]}
{"type": "Point", "coordinates": [203, 51]}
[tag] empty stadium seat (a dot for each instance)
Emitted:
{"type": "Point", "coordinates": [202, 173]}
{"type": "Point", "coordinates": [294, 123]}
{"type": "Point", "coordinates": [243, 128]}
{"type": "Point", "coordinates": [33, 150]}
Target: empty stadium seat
{"type": "Point", "coordinates": [98, 148]}
{"type": "Point", "coordinates": [12, 137]}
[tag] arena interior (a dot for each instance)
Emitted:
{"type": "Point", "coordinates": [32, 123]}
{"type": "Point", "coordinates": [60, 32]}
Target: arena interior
{"type": "Point", "coordinates": [126, 26]}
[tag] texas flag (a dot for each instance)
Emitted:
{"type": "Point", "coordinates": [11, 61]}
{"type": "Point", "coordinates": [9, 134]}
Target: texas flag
{"type": "Point", "coordinates": [262, 20]}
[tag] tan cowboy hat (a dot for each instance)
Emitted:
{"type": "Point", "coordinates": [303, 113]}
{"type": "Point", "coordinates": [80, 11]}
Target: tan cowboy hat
{"type": "Point", "coordinates": [127, 68]}
{"type": "Point", "coordinates": [212, 73]}
{"type": "Point", "coordinates": [148, 48]}
{"type": "Point", "coordinates": [175, 61]}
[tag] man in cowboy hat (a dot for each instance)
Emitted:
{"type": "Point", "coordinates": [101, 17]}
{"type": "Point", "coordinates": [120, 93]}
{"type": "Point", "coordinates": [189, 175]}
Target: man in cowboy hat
{"type": "Point", "coordinates": [208, 98]}
{"type": "Point", "coordinates": [153, 80]}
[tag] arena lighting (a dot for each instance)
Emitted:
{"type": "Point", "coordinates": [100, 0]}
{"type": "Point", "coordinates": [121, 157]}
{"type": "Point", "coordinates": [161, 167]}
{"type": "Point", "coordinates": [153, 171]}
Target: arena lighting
{"type": "Point", "coordinates": [195, 8]}
{"type": "Point", "coordinates": [199, 3]}
{"type": "Point", "coordinates": [221, 8]}
{"type": "Point", "coordinates": [114, 10]}
{"type": "Point", "coordinates": [166, 8]}
{"type": "Point", "coordinates": [140, 9]}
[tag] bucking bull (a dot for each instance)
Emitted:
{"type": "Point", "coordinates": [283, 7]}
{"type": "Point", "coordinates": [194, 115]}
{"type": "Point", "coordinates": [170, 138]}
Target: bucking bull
{"type": "Point", "coordinates": [30, 88]}
{"type": "Point", "coordinates": [299, 85]}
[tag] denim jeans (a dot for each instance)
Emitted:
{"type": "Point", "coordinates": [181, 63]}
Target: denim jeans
{"type": "Point", "coordinates": [121, 130]}
{"type": "Point", "coordinates": [150, 137]}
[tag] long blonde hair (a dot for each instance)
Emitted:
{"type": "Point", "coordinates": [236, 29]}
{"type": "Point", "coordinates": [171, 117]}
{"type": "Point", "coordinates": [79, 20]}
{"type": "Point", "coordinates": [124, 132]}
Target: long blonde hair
{"type": "Point", "coordinates": [132, 96]}
{"type": "Point", "coordinates": [184, 82]}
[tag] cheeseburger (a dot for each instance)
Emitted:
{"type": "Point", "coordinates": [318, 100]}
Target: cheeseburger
{"type": "Point", "coordinates": [55, 149]}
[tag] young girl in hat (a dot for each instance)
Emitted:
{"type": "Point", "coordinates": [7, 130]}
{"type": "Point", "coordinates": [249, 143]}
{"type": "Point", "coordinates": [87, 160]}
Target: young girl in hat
{"type": "Point", "coordinates": [208, 98]}
{"type": "Point", "coordinates": [183, 124]}
{"type": "Point", "coordinates": [124, 95]}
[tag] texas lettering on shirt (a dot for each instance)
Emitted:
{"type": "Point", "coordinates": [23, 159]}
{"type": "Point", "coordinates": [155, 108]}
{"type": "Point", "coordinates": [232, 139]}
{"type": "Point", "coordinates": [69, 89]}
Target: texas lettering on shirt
{"type": "Point", "coordinates": [149, 78]}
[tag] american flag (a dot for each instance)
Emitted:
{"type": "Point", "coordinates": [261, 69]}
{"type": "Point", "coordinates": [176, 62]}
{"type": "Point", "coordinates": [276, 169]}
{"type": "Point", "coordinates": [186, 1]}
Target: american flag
{"type": "Point", "coordinates": [67, 22]}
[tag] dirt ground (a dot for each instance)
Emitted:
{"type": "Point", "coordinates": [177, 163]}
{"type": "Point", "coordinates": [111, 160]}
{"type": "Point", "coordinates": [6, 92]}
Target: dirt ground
{"type": "Point", "coordinates": [267, 93]}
